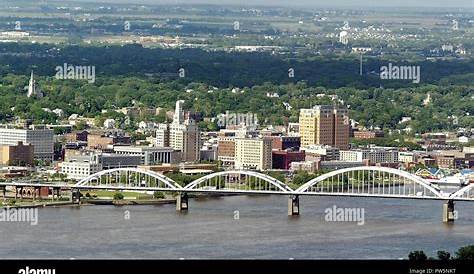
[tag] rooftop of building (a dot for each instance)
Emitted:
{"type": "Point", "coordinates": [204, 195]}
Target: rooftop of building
{"type": "Point", "coordinates": [141, 148]}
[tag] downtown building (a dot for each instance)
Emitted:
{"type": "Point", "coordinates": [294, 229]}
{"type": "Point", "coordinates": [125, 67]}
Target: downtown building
{"type": "Point", "coordinates": [150, 155]}
{"type": "Point", "coordinates": [81, 166]}
{"type": "Point", "coordinates": [226, 148]}
{"type": "Point", "coordinates": [253, 153]}
{"type": "Point", "coordinates": [324, 125]}
{"type": "Point", "coordinates": [373, 155]}
{"type": "Point", "coordinates": [40, 137]}
{"type": "Point", "coordinates": [182, 134]}
{"type": "Point", "coordinates": [322, 152]}
{"type": "Point", "coordinates": [17, 155]}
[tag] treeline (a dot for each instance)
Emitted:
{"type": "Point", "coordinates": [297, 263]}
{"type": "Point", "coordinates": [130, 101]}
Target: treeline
{"type": "Point", "coordinates": [463, 253]}
{"type": "Point", "coordinates": [448, 107]}
{"type": "Point", "coordinates": [224, 69]}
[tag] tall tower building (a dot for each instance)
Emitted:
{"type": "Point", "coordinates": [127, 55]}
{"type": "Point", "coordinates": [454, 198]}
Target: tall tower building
{"type": "Point", "coordinates": [178, 117]}
{"type": "Point", "coordinates": [186, 138]}
{"type": "Point", "coordinates": [182, 134]}
{"type": "Point", "coordinates": [341, 128]}
{"type": "Point", "coordinates": [324, 125]}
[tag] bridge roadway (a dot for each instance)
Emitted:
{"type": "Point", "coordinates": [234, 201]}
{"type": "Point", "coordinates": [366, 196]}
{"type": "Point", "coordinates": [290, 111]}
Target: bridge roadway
{"type": "Point", "coordinates": [375, 182]}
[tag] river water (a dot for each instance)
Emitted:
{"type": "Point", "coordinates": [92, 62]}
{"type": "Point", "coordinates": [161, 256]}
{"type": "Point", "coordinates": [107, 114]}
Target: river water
{"type": "Point", "coordinates": [237, 227]}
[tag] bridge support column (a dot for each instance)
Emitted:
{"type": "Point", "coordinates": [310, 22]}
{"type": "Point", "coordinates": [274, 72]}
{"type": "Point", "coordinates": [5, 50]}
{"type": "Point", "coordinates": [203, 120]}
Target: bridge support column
{"type": "Point", "coordinates": [448, 211]}
{"type": "Point", "coordinates": [4, 192]}
{"type": "Point", "coordinates": [35, 190]}
{"type": "Point", "coordinates": [56, 191]}
{"type": "Point", "coordinates": [293, 205]}
{"type": "Point", "coordinates": [76, 196]}
{"type": "Point", "coordinates": [182, 202]}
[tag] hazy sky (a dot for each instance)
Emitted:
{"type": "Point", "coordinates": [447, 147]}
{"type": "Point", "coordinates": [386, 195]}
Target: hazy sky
{"type": "Point", "coordinates": [335, 3]}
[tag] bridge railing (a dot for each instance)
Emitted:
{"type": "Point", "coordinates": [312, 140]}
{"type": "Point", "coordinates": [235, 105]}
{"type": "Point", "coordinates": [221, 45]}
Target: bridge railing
{"type": "Point", "coordinates": [357, 181]}
{"type": "Point", "coordinates": [465, 193]}
{"type": "Point", "coordinates": [370, 181]}
{"type": "Point", "coordinates": [129, 178]}
{"type": "Point", "coordinates": [239, 181]}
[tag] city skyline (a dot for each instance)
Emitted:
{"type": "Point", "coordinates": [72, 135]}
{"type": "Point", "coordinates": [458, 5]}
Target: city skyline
{"type": "Point", "coordinates": [308, 3]}
{"type": "Point", "coordinates": [215, 134]}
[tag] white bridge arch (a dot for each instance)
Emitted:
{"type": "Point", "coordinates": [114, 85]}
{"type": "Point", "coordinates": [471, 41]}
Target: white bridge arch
{"type": "Point", "coordinates": [466, 192]}
{"type": "Point", "coordinates": [128, 178]}
{"type": "Point", "coordinates": [365, 181]}
{"type": "Point", "coordinates": [370, 181]}
{"type": "Point", "coordinates": [239, 181]}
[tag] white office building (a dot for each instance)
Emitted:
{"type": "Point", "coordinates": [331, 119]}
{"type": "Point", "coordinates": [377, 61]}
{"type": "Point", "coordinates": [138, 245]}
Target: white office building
{"type": "Point", "coordinates": [150, 155]}
{"type": "Point", "coordinates": [79, 167]}
{"type": "Point", "coordinates": [374, 155]}
{"type": "Point", "coordinates": [253, 153]}
{"type": "Point", "coordinates": [406, 157]}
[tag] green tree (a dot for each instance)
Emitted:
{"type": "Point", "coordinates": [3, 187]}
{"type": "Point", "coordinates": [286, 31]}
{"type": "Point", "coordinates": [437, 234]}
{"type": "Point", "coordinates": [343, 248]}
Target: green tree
{"type": "Point", "coordinates": [158, 195]}
{"type": "Point", "coordinates": [417, 255]}
{"type": "Point", "coordinates": [465, 253]}
{"type": "Point", "coordinates": [118, 196]}
{"type": "Point", "coordinates": [443, 255]}
{"type": "Point", "coordinates": [81, 125]}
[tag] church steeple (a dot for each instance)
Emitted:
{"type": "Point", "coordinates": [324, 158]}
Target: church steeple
{"type": "Point", "coordinates": [31, 86]}
{"type": "Point", "coordinates": [33, 90]}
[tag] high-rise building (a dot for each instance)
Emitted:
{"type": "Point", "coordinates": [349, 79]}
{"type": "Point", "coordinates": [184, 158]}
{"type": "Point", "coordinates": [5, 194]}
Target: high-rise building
{"type": "Point", "coordinates": [186, 138]}
{"type": "Point", "coordinates": [253, 153]}
{"type": "Point", "coordinates": [178, 117]}
{"type": "Point", "coordinates": [182, 134]}
{"type": "Point", "coordinates": [163, 135]}
{"type": "Point", "coordinates": [40, 137]}
{"type": "Point", "coordinates": [324, 125]}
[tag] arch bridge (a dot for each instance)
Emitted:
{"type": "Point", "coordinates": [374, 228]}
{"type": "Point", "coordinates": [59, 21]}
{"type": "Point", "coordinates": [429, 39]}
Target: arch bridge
{"type": "Point", "coordinates": [366, 181]}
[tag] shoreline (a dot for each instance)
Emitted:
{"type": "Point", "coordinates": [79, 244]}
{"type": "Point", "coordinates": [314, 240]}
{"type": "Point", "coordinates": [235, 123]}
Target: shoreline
{"type": "Point", "coordinates": [92, 202]}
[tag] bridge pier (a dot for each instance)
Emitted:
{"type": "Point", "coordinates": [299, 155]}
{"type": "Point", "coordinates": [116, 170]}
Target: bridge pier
{"type": "Point", "coordinates": [56, 193]}
{"type": "Point", "coordinates": [182, 201]}
{"type": "Point", "coordinates": [76, 196]}
{"type": "Point", "coordinates": [293, 205]}
{"type": "Point", "coordinates": [448, 211]}
{"type": "Point", "coordinates": [35, 190]}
